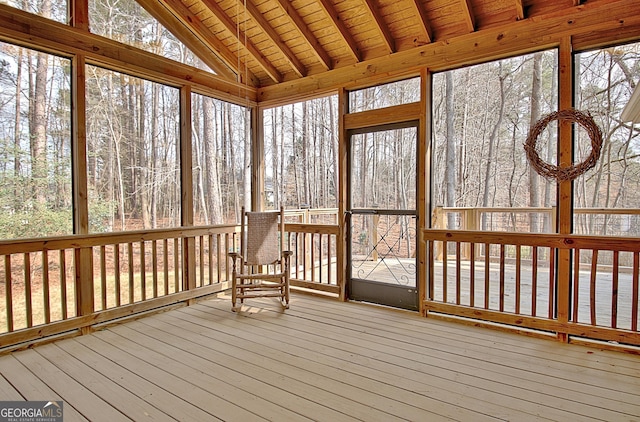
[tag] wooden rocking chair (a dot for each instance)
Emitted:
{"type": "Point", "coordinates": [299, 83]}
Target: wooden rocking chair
{"type": "Point", "coordinates": [261, 268]}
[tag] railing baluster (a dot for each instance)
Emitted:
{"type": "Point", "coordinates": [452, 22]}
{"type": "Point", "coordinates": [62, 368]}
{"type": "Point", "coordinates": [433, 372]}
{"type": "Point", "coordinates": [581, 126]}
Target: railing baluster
{"type": "Point", "coordinates": [502, 277]}
{"type": "Point", "coordinates": [614, 290]}
{"type": "Point", "coordinates": [210, 257]}
{"type": "Point", "coordinates": [131, 264]}
{"type": "Point", "coordinates": [45, 287]}
{"type": "Point", "coordinates": [201, 258]}
{"type": "Point", "coordinates": [154, 263]}
{"type": "Point", "coordinates": [103, 276]}
{"type": "Point", "coordinates": [552, 283]}
{"type": "Point", "coordinates": [445, 276]}
{"type": "Point", "coordinates": [592, 288]}
{"type": "Point", "coordinates": [518, 277]}
{"type": "Point", "coordinates": [472, 275]}
{"type": "Point", "coordinates": [487, 274]}
{"type": "Point", "coordinates": [313, 256]}
{"type": "Point", "coordinates": [458, 274]}
{"type": "Point", "coordinates": [116, 259]}
{"type": "Point", "coordinates": [63, 283]}
{"type": "Point", "coordinates": [534, 281]}
{"type": "Point", "coordinates": [576, 285]}
{"type": "Point", "coordinates": [165, 259]}
{"type": "Point", "coordinates": [8, 291]}
{"type": "Point", "coordinates": [634, 295]}
{"type": "Point", "coordinates": [176, 265]}
{"type": "Point", "coordinates": [27, 288]}
{"type": "Point", "coordinates": [219, 258]}
{"type": "Point", "coordinates": [143, 272]}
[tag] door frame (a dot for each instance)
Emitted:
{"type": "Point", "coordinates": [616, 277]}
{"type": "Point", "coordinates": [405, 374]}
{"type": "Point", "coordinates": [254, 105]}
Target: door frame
{"type": "Point", "coordinates": [419, 111]}
{"type": "Point", "coordinates": [369, 290]}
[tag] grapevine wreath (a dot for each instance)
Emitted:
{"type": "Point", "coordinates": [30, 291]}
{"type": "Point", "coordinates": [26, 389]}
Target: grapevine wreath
{"type": "Point", "coordinates": [550, 171]}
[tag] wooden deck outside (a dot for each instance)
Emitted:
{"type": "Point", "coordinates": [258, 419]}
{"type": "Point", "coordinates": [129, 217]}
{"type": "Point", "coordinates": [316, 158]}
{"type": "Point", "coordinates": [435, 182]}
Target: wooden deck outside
{"type": "Point", "coordinates": [320, 360]}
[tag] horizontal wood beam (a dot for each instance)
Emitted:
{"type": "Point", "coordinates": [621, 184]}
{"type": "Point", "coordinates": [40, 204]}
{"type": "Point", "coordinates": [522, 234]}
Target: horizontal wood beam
{"type": "Point", "coordinates": [33, 31]}
{"type": "Point", "coordinates": [383, 28]}
{"type": "Point", "coordinates": [383, 116]}
{"type": "Point", "coordinates": [519, 9]}
{"type": "Point", "coordinates": [423, 20]}
{"type": "Point", "coordinates": [298, 22]}
{"type": "Point", "coordinates": [467, 14]}
{"type": "Point", "coordinates": [342, 29]}
{"type": "Point", "coordinates": [529, 35]}
{"type": "Point", "coordinates": [177, 18]}
{"type": "Point", "coordinates": [268, 30]}
{"type": "Point", "coordinates": [239, 35]}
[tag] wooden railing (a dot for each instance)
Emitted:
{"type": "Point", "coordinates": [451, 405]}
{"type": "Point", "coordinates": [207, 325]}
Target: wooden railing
{"type": "Point", "coordinates": [59, 285]}
{"type": "Point", "coordinates": [537, 281]}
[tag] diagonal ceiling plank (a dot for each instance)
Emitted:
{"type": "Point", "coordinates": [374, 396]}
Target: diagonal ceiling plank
{"type": "Point", "coordinates": [268, 30]}
{"type": "Point", "coordinates": [342, 29]}
{"type": "Point", "coordinates": [519, 10]}
{"type": "Point", "coordinates": [230, 26]}
{"type": "Point", "coordinates": [467, 12]}
{"type": "Point", "coordinates": [311, 39]}
{"type": "Point", "coordinates": [423, 20]}
{"type": "Point", "coordinates": [170, 17]}
{"type": "Point", "coordinates": [390, 42]}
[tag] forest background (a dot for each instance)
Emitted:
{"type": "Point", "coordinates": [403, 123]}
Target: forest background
{"type": "Point", "coordinates": [481, 116]}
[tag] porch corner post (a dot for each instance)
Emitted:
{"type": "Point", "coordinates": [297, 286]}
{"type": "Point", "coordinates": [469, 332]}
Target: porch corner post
{"type": "Point", "coordinates": [565, 188]}
{"type": "Point", "coordinates": [341, 247]}
{"type": "Point", "coordinates": [83, 257]}
{"type": "Point", "coordinates": [186, 183]}
{"type": "Point", "coordinates": [423, 186]}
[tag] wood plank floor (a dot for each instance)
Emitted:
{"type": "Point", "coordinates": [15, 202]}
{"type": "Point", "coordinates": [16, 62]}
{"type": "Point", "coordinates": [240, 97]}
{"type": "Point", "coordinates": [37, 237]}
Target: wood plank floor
{"type": "Point", "coordinates": [320, 360]}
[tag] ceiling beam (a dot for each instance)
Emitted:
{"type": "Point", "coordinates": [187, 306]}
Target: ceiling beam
{"type": "Point", "coordinates": [185, 26]}
{"type": "Point", "coordinates": [519, 10]}
{"type": "Point", "coordinates": [607, 19]}
{"type": "Point", "coordinates": [268, 30]}
{"type": "Point", "coordinates": [239, 35]}
{"type": "Point", "coordinates": [467, 13]}
{"type": "Point", "coordinates": [311, 39]}
{"type": "Point", "coordinates": [342, 29]}
{"type": "Point", "coordinates": [373, 10]}
{"type": "Point", "coordinates": [423, 20]}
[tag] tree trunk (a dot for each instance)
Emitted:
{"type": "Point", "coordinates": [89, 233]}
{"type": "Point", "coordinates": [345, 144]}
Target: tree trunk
{"type": "Point", "coordinates": [211, 163]}
{"type": "Point", "coordinates": [536, 94]}
{"type": "Point", "coordinates": [450, 151]}
{"type": "Point", "coordinates": [492, 142]}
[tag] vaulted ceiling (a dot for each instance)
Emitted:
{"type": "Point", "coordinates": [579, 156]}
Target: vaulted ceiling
{"type": "Point", "coordinates": [267, 42]}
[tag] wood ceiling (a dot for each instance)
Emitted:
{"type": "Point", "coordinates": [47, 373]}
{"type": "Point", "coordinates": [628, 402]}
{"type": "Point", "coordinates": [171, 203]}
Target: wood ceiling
{"type": "Point", "coordinates": [267, 42]}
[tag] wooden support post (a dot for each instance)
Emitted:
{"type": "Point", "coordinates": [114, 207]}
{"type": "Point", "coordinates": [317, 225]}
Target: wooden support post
{"type": "Point", "coordinates": [83, 257]}
{"type": "Point", "coordinates": [422, 194]}
{"type": "Point", "coordinates": [565, 189]}
{"type": "Point", "coordinates": [343, 218]}
{"type": "Point", "coordinates": [186, 178]}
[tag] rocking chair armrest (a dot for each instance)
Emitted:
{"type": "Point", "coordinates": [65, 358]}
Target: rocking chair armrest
{"type": "Point", "coordinates": [287, 254]}
{"type": "Point", "coordinates": [235, 256]}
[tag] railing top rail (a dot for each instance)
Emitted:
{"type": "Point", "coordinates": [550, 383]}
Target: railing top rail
{"type": "Point", "coordinates": [100, 239]}
{"type": "Point", "coordinates": [597, 210]}
{"type": "Point", "coordinates": [560, 241]}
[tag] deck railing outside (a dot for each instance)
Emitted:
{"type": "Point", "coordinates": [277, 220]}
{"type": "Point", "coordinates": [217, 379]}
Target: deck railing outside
{"type": "Point", "coordinates": [56, 285]}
